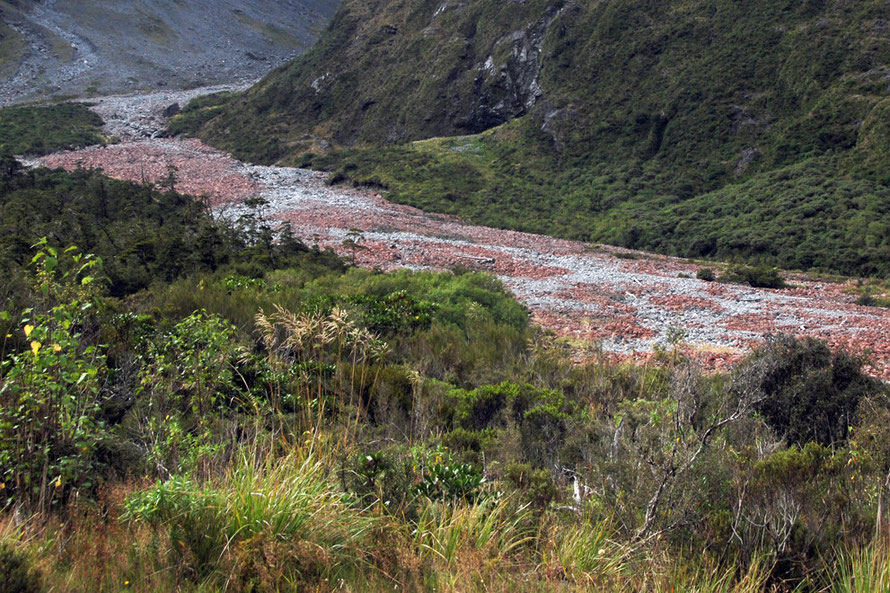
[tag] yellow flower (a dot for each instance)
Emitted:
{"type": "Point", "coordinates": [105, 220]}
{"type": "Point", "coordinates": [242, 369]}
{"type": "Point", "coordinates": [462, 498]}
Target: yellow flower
{"type": "Point", "coordinates": [28, 329]}
{"type": "Point", "coordinates": [35, 347]}
{"type": "Point", "coordinates": [8, 335]}
{"type": "Point", "coordinates": [126, 583]}
{"type": "Point", "coordinates": [58, 482]}
{"type": "Point", "coordinates": [2, 486]}
{"type": "Point", "coordinates": [57, 348]}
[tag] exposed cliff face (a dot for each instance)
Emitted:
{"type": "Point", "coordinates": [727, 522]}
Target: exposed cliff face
{"type": "Point", "coordinates": [507, 81]}
{"type": "Point", "coordinates": [78, 47]}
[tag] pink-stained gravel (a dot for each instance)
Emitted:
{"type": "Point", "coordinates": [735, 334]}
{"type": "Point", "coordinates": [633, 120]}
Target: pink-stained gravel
{"type": "Point", "coordinates": [581, 292]}
{"type": "Point", "coordinates": [197, 169]}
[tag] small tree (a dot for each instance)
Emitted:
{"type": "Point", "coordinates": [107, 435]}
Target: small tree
{"type": "Point", "coordinates": [50, 396]}
{"type": "Point", "coordinates": [807, 391]}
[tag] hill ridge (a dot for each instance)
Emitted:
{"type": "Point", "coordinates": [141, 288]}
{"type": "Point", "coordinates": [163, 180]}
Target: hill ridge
{"type": "Point", "coordinates": [640, 108]}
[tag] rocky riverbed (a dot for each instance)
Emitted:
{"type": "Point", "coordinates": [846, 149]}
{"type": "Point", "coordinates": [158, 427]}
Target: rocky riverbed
{"type": "Point", "coordinates": [629, 303]}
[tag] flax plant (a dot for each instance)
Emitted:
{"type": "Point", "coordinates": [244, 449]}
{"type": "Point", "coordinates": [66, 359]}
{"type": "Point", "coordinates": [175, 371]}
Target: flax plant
{"type": "Point", "coordinates": [864, 569]}
{"type": "Point", "coordinates": [494, 528]}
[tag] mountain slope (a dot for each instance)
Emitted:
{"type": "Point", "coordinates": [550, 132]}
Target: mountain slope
{"type": "Point", "coordinates": [606, 109]}
{"type": "Point", "coordinates": [80, 47]}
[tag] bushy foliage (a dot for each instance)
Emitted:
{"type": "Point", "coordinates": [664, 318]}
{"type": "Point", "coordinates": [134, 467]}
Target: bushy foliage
{"type": "Point", "coordinates": [384, 478]}
{"type": "Point", "coordinates": [451, 481]}
{"type": "Point", "coordinates": [810, 393]}
{"type": "Point", "coordinates": [17, 575]}
{"type": "Point", "coordinates": [758, 277]}
{"type": "Point", "coordinates": [706, 274]}
{"type": "Point", "coordinates": [51, 424]}
{"type": "Point", "coordinates": [46, 129]}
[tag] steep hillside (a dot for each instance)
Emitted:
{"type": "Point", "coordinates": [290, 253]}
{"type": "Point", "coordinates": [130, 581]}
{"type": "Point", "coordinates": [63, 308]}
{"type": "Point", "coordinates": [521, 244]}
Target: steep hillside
{"type": "Point", "coordinates": [389, 71]}
{"type": "Point", "coordinates": [89, 47]}
{"type": "Point", "coordinates": [618, 113]}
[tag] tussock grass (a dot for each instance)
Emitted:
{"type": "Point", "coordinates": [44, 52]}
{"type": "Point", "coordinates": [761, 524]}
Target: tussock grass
{"type": "Point", "coordinates": [269, 521]}
{"type": "Point", "coordinates": [864, 569]}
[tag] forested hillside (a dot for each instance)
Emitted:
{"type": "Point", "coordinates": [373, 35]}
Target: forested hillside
{"type": "Point", "coordinates": [624, 121]}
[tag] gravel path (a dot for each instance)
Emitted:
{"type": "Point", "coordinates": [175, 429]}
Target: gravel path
{"type": "Point", "coordinates": [628, 302]}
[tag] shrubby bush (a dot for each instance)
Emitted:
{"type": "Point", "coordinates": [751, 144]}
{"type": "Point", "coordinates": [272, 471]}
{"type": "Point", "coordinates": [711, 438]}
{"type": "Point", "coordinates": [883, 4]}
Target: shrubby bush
{"type": "Point", "coordinates": [51, 397]}
{"type": "Point", "coordinates": [706, 274]}
{"type": "Point", "coordinates": [758, 277]}
{"type": "Point", "coordinates": [809, 392]}
{"type": "Point", "coordinates": [17, 575]}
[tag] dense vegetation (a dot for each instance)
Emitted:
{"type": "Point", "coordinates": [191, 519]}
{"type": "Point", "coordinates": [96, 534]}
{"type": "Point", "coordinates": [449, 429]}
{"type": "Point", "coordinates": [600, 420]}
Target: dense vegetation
{"type": "Point", "coordinates": [193, 404]}
{"type": "Point", "coordinates": [143, 234]}
{"type": "Point", "coordinates": [712, 128]}
{"type": "Point", "coordinates": [45, 129]}
{"type": "Point", "coordinates": [275, 420]}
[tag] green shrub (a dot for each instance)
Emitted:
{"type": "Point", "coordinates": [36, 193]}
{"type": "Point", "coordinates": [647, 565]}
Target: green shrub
{"type": "Point", "coordinates": [866, 300]}
{"type": "Point", "coordinates": [538, 414]}
{"type": "Point", "coordinates": [808, 391]}
{"type": "Point", "coordinates": [469, 444]}
{"type": "Point", "coordinates": [537, 485]}
{"type": "Point", "coordinates": [16, 573]}
{"type": "Point", "coordinates": [51, 423]}
{"type": "Point", "coordinates": [451, 481]}
{"type": "Point", "coordinates": [758, 277]}
{"type": "Point", "coordinates": [542, 434]}
{"type": "Point", "coordinates": [501, 405]}
{"type": "Point", "coordinates": [869, 300]}
{"type": "Point", "coordinates": [706, 274]}
{"type": "Point", "coordinates": [383, 477]}
{"type": "Point", "coordinates": [186, 389]}
{"type": "Point", "coordinates": [190, 369]}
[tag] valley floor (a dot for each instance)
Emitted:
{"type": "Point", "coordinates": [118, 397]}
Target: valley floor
{"type": "Point", "coordinates": [629, 302]}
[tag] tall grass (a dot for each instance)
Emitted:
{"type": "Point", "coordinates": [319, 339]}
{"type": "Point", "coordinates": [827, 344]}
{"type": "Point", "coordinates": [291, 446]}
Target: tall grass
{"type": "Point", "coordinates": [269, 522]}
{"type": "Point", "coordinates": [494, 528]}
{"type": "Point", "coordinates": [864, 569]}
{"type": "Point", "coordinates": [586, 553]}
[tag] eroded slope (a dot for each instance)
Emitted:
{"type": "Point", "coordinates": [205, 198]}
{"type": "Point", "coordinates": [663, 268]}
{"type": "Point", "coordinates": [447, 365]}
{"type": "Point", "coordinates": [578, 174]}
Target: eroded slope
{"type": "Point", "coordinates": [78, 47]}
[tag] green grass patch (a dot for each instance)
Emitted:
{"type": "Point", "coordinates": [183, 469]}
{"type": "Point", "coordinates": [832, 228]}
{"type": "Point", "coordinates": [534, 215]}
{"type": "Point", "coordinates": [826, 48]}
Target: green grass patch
{"type": "Point", "coordinates": [41, 130]}
{"type": "Point", "coordinates": [276, 35]}
{"type": "Point", "coordinates": [12, 49]}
